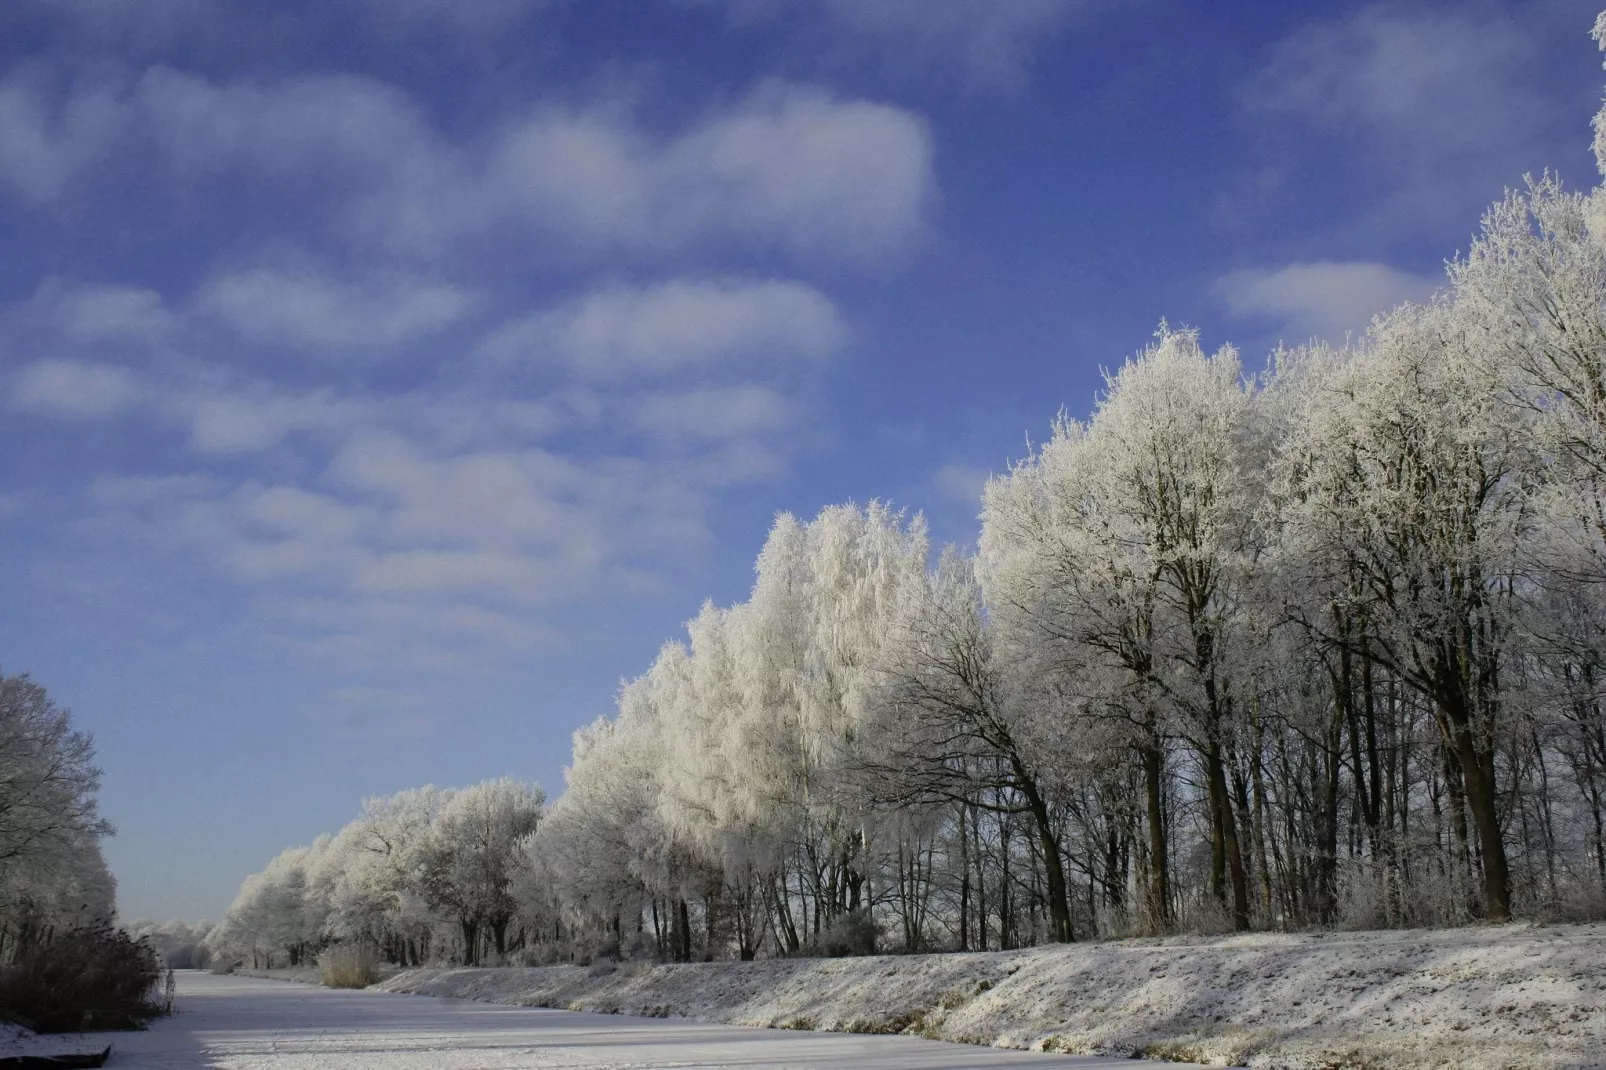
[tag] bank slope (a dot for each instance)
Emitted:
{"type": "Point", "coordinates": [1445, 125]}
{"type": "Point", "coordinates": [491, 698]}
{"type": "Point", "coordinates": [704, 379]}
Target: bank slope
{"type": "Point", "coordinates": [1480, 999]}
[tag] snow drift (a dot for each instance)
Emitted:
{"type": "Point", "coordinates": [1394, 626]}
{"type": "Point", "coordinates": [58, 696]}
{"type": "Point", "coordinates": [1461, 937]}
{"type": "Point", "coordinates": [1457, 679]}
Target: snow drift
{"type": "Point", "coordinates": [1479, 999]}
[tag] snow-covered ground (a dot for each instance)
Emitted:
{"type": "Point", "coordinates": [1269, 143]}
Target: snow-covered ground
{"type": "Point", "coordinates": [248, 1023]}
{"type": "Point", "coordinates": [1475, 999]}
{"type": "Point", "coordinates": [16, 1042]}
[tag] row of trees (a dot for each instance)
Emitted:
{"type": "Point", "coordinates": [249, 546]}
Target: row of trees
{"type": "Point", "coordinates": [425, 873]}
{"type": "Point", "coordinates": [1304, 648]}
{"type": "Point", "coordinates": [177, 944]}
{"type": "Point", "coordinates": [1319, 645]}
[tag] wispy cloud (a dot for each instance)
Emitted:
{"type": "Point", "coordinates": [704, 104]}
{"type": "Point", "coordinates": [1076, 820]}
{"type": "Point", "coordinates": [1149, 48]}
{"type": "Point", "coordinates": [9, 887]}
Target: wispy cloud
{"type": "Point", "coordinates": [1325, 299]}
{"type": "Point", "coordinates": [486, 498]}
{"type": "Point", "coordinates": [990, 43]}
{"type": "Point", "coordinates": [47, 139]}
{"type": "Point", "coordinates": [676, 327]}
{"type": "Point", "coordinates": [1429, 80]}
{"type": "Point", "coordinates": [154, 25]}
{"type": "Point", "coordinates": [1431, 101]}
{"type": "Point", "coordinates": [960, 484]}
{"type": "Point", "coordinates": [74, 389]}
{"type": "Point", "coordinates": [788, 168]}
{"type": "Point", "coordinates": [331, 316]}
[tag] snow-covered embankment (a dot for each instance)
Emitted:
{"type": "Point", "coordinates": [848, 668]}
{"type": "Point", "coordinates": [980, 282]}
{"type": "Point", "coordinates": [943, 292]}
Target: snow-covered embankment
{"type": "Point", "coordinates": [1480, 999]}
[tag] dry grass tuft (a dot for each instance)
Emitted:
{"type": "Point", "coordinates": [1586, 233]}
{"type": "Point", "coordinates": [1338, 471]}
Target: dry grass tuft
{"type": "Point", "coordinates": [348, 966]}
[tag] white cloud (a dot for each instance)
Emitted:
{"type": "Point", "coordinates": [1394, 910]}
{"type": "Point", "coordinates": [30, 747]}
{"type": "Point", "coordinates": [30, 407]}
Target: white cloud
{"type": "Point", "coordinates": [90, 318]}
{"type": "Point", "coordinates": [1437, 104]}
{"type": "Point", "coordinates": [151, 24]}
{"type": "Point", "coordinates": [989, 40]}
{"type": "Point", "coordinates": [788, 168]}
{"type": "Point", "coordinates": [805, 170]}
{"type": "Point", "coordinates": [293, 512]}
{"type": "Point", "coordinates": [961, 483]}
{"type": "Point", "coordinates": [679, 362]}
{"type": "Point", "coordinates": [402, 572]}
{"type": "Point", "coordinates": [367, 632]}
{"type": "Point", "coordinates": [254, 419]}
{"type": "Point", "coordinates": [469, 531]}
{"type": "Point", "coordinates": [273, 533]}
{"type": "Point", "coordinates": [132, 492]}
{"type": "Point", "coordinates": [44, 143]}
{"type": "Point", "coordinates": [499, 497]}
{"type": "Point", "coordinates": [453, 14]}
{"type": "Point", "coordinates": [115, 313]}
{"type": "Point", "coordinates": [314, 312]}
{"type": "Point", "coordinates": [1324, 299]}
{"type": "Point", "coordinates": [342, 125]}
{"type": "Point", "coordinates": [477, 499]}
{"type": "Point", "coordinates": [712, 415]}
{"type": "Point", "coordinates": [74, 390]}
{"type": "Point", "coordinates": [677, 327]}
{"type": "Point", "coordinates": [1450, 77]}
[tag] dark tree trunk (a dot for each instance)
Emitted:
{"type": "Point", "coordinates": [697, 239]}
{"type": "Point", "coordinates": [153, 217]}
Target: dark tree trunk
{"type": "Point", "coordinates": [1225, 834]}
{"type": "Point", "coordinates": [683, 923]}
{"type": "Point", "coordinates": [964, 878]}
{"type": "Point", "coordinates": [1478, 777]}
{"type": "Point", "coordinates": [1159, 890]}
{"type": "Point", "coordinates": [1059, 907]}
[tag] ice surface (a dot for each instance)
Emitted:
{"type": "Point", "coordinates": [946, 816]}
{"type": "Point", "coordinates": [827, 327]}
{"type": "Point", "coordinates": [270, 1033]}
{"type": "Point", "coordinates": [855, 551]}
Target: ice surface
{"type": "Point", "coordinates": [246, 1023]}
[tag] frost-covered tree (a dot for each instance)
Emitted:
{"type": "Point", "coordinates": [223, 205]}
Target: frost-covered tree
{"type": "Point", "coordinates": [418, 872]}
{"type": "Point", "coordinates": [377, 864]}
{"type": "Point", "coordinates": [1414, 520]}
{"type": "Point", "coordinates": [604, 843]}
{"type": "Point", "coordinates": [1074, 597]}
{"type": "Point", "coordinates": [274, 912]}
{"type": "Point", "coordinates": [179, 944]}
{"type": "Point", "coordinates": [48, 780]}
{"type": "Point", "coordinates": [813, 645]}
{"type": "Point", "coordinates": [52, 873]}
{"type": "Point", "coordinates": [954, 730]}
{"type": "Point", "coordinates": [708, 799]}
{"type": "Point", "coordinates": [470, 859]}
{"type": "Point", "coordinates": [1125, 547]}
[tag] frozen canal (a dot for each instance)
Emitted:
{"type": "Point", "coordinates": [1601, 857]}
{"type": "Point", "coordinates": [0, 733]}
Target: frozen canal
{"type": "Point", "coordinates": [243, 1023]}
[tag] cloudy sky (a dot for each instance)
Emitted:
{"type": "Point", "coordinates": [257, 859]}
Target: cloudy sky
{"type": "Point", "coordinates": [383, 380]}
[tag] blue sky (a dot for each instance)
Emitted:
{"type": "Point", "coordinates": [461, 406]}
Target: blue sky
{"type": "Point", "coordinates": [381, 381]}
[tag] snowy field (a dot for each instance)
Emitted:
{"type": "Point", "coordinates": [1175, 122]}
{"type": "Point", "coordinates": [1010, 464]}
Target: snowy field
{"type": "Point", "coordinates": [244, 1023]}
{"type": "Point", "coordinates": [1471, 999]}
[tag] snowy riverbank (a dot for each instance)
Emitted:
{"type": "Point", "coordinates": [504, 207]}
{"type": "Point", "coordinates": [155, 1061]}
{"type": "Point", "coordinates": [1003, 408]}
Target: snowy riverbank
{"type": "Point", "coordinates": [17, 1045]}
{"type": "Point", "coordinates": [1478, 999]}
